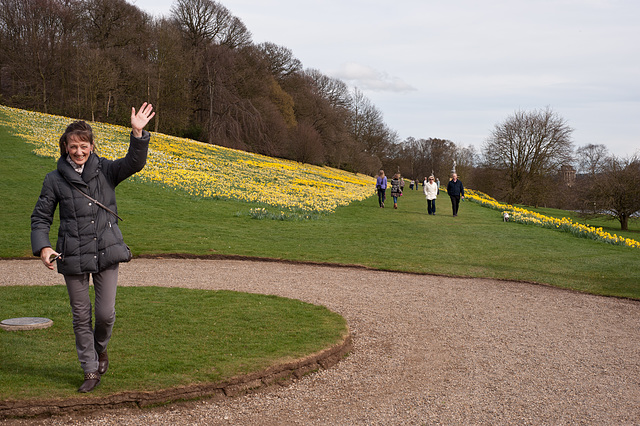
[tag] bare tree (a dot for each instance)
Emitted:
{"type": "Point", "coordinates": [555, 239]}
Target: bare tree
{"type": "Point", "coordinates": [617, 188]}
{"type": "Point", "coordinates": [113, 23]}
{"type": "Point", "coordinates": [215, 39]}
{"type": "Point", "coordinates": [306, 145]}
{"type": "Point", "coordinates": [97, 80]}
{"type": "Point", "coordinates": [33, 35]}
{"type": "Point", "coordinates": [428, 156]}
{"type": "Point", "coordinates": [236, 34]}
{"type": "Point", "coordinates": [527, 148]}
{"type": "Point", "coordinates": [314, 106]}
{"type": "Point", "coordinates": [170, 72]}
{"type": "Point", "coordinates": [466, 159]}
{"type": "Point", "coordinates": [441, 154]}
{"type": "Point", "coordinates": [410, 158]}
{"type": "Point", "coordinates": [207, 21]}
{"type": "Point", "coordinates": [335, 91]}
{"type": "Point", "coordinates": [116, 36]}
{"type": "Point", "coordinates": [232, 118]}
{"type": "Point", "coordinates": [280, 60]}
{"type": "Point", "coordinates": [333, 103]}
{"type": "Point", "coordinates": [591, 158]}
{"type": "Point", "coordinates": [368, 127]}
{"type": "Point", "coordinates": [419, 158]}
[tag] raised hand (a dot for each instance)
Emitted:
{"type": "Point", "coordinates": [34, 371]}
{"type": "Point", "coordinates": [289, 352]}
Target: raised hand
{"type": "Point", "coordinates": [141, 118]}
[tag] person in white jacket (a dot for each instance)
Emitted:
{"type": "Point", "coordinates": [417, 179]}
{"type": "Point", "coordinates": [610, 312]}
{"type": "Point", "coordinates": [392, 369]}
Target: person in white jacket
{"type": "Point", "coordinates": [431, 192]}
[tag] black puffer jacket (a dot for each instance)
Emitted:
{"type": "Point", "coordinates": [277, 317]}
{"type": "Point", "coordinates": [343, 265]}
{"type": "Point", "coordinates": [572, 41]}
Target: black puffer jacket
{"type": "Point", "coordinates": [89, 237]}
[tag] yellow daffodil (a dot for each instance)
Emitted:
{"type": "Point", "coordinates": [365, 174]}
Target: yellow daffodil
{"type": "Point", "coordinates": [208, 171]}
{"type": "Point", "coordinates": [521, 215]}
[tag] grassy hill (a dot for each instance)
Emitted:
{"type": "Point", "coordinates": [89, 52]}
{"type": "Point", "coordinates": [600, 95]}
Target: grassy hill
{"type": "Point", "coordinates": [164, 218]}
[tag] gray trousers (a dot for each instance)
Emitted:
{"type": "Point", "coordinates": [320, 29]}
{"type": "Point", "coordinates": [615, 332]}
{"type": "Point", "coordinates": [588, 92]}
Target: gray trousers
{"type": "Point", "coordinates": [89, 341]}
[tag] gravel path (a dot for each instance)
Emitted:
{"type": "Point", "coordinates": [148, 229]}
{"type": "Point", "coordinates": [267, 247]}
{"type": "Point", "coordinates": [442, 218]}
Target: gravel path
{"type": "Point", "coordinates": [427, 350]}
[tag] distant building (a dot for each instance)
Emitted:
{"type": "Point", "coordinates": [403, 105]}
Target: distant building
{"type": "Point", "coordinates": [568, 175]}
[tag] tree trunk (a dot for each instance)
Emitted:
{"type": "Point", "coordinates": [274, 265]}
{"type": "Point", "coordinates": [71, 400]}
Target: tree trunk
{"type": "Point", "coordinates": [108, 103]}
{"type": "Point", "coordinates": [44, 92]}
{"type": "Point", "coordinates": [624, 222]}
{"type": "Point", "coordinates": [156, 123]}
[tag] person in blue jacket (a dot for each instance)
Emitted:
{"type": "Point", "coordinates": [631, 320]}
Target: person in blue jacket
{"type": "Point", "coordinates": [455, 191]}
{"type": "Point", "coordinates": [381, 187]}
{"type": "Point", "coordinates": [89, 240]}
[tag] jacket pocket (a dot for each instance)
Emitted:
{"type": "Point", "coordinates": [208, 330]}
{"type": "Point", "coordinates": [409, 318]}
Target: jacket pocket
{"type": "Point", "coordinates": [113, 248]}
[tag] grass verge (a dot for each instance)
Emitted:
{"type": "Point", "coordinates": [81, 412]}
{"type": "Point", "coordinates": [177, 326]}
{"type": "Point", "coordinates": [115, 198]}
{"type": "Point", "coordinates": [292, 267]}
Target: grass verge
{"type": "Point", "coordinates": [164, 337]}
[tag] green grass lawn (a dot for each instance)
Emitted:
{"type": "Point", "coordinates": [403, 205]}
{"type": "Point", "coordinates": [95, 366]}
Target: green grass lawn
{"type": "Point", "coordinates": [475, 244]}
{"type": "Point", "coordinates": [161, 221]}
{"type": "Point", "coordinates": [164, 337]}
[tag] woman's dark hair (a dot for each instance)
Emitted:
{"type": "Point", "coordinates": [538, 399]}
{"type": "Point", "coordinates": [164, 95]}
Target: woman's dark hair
{"type": "Point", "coordinates": [78, 129]}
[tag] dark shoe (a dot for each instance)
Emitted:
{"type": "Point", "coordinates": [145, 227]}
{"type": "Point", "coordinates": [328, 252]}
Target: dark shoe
{"type": "Point", "coordinates": [91, 380]}
{"type": "Point", "coordinates": [103, 363]}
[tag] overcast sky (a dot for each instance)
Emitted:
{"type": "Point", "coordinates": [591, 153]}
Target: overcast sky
{"type": "Point", "coordinates": [453, 69]}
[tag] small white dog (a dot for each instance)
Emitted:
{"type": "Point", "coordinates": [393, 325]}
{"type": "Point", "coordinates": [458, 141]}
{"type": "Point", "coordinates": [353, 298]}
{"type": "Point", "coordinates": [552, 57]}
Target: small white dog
{"type": "Point", "coordinates": [505, 216]}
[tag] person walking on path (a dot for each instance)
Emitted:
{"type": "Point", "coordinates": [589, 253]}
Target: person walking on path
{"type": "Point", "coordinates": [431, 192]}
{"type": "Point", "coordinates": [381, 187]}
{"type": "Point", "coordinates": [397, 184]}
{"type": "Point", "coordinates": [89, 240]}
{"type": "Point", "coordinates": [455, 191]}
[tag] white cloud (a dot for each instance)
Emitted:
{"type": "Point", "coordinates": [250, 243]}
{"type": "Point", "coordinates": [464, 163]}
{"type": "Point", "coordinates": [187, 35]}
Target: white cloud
{"type": "Point", "coordinates": [367, 78]}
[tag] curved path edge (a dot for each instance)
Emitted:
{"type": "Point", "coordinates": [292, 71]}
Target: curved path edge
{"type": "Point", "coordinates": [426, 349]}
{"type": "Point", "coordinates": [282, 374]}
{"type": "Point", "coordinates": [356, 266]}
